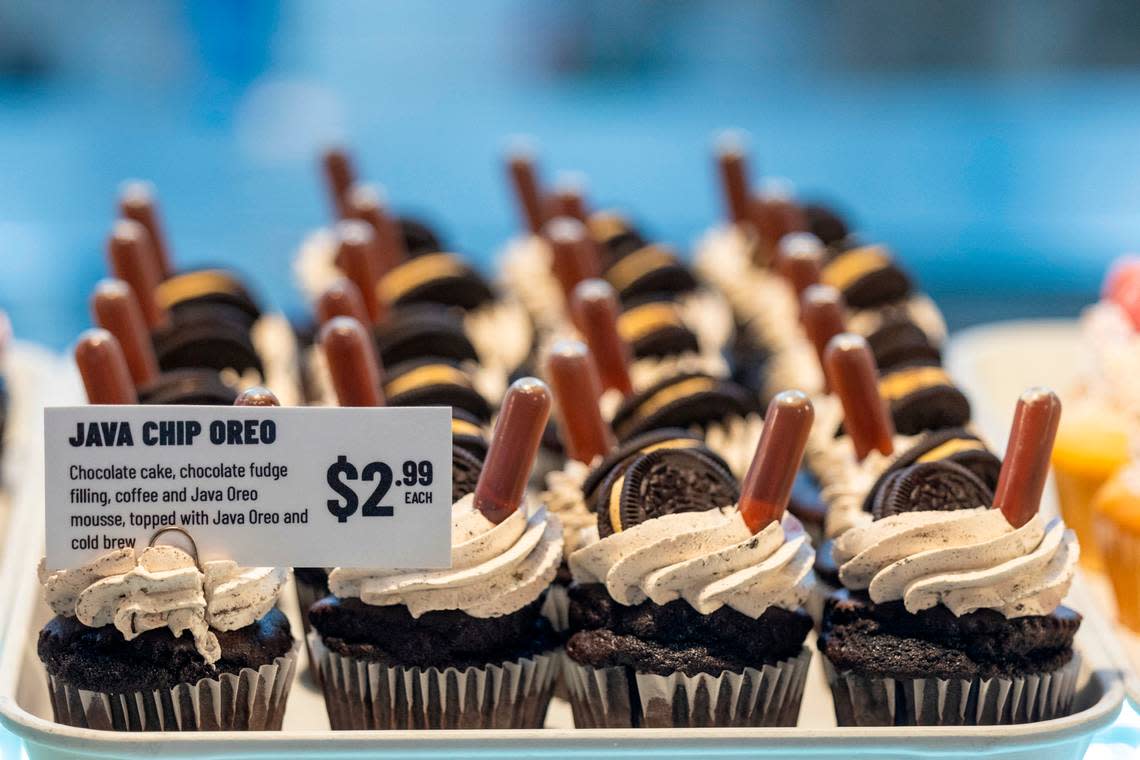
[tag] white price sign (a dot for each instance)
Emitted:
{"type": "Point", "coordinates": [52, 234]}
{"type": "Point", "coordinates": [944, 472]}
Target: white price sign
{"type": "Point", "coordinates": [266, 486]}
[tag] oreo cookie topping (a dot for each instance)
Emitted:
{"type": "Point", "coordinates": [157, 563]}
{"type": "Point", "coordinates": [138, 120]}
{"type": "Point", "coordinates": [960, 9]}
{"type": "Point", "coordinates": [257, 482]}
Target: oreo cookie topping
{"type": "Point", "coordinates": [867, 276]}
{"type": "Point", "coordinates": [825, 223]}
{"type": "Point", "coordinates": [419, 238]}
{"type": "Point", "coordinates": [465, 469]}
{"type": "Point", "coordinates": [649, 269]}
{"type": "Point", "coordinates": [419, 331]}
{"type": "Point", "coordinates": [196, 387]}
{"type": "Point", "coordinates": [684, 401]}
{"type": "Point", "coordinates": [435, 382]}
{"type": "Point", "coordinates": [439, 278]}
{"type": "Point", "coordinates": [924, 398]}
{"type": "Point", "coordinates": [662, 482]}
{"type": "Point", "coordinates": [664, 438]}
{"type": "Point", "coordinates": [901, 343]}
{"type": "Point", "coordinates": [940, 486]}
{"type": "Point", "coordinates": [654, 329]}
{"type": "Point", "coordinates": [955, 445]}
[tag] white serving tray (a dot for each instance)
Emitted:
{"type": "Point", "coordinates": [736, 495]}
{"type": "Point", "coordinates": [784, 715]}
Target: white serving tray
{"type": "Point", "coordinates": [993, 364]}
{"type": "Point", "coordinates": [25, 711]}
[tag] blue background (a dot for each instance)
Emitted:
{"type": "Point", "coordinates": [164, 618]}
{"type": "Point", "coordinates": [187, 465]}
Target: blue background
{"type": "Point", "coordinates": [994, 145]}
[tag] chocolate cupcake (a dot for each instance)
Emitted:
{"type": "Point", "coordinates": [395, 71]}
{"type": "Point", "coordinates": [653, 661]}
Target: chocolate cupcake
{"type": "Point", "coordinates": [447, 634]}
{"type": "Point", "coordinates": [694, 618]}
{"type": "Point", "coordinates": [951, 613]}
{"type": "Point", "coordinates": [185, 665]}
{"type": "Point", "coordinates": [355, 375]}
{"type": "Point", "coordinates": [157, 641]}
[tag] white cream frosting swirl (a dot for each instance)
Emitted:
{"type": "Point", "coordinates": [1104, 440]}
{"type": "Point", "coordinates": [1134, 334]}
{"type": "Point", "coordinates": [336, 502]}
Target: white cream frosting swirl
{"type": "Point", "coordinates": [163, 588]}
{"type": "Point", "coordinates": [495, 569]}
{"type": "Point", "coordinates": [965, 560]}
{"type": "Point", "coordinates": [710, 559]}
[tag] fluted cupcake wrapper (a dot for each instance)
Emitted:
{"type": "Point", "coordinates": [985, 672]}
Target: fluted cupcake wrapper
{"type": "Point", "coordinates": [624, 698]}
{"type": "Point", "coordinates": [869, 701]}
{"type": "Point", "coordinates": [369, 695]}
{"type": "Point", "coordinates": [309, 594]}
{"type": "Point", "coordinates": [821, 591]}
{"type": "Point", "coordinates": [249, 700]}
{"type": "Point", "coordinates": [556, 607]}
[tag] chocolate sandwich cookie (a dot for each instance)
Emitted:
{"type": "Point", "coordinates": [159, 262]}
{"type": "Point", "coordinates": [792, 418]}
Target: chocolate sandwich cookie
{"type": "Point", "coordinates": [682, 401]}
{"type": "Point", "coordinates": [441, 278]}
{"type": "Point", "coordinates": [467, 433]}
{"type": "Point", "coordinates": [867, 276]}
{"type": "Point", "coordinates": [465, 469]}
{"type": "Point", "coordinates": [825, 223]}
{"type": "Point", "coordinates": [661, 482]}
{"type": "Point", "coordinates": [957, 446]}
{"type": "Point", "coordinates": [420, 330]}
{"type": "Point", "coordinates": [419, 238]}
{"type": "Point", "coordinates": [614, 235]}
{"type": "Point", "coordinates": [898, 342]}
{"type": "Point", "coordinates": [667, 438]}
{"type": "Point", "coordinates": [655, 330]}
{"type": "Point", "coordinates": [209, 287]}
{"type": "Point", "coordinates": [191, 387]}
{"type": "Point", "coordinates": [940, 486]}
{"type": "Point", "coordinates": [923, 398]}
{"type": "Point", "coordinates": [207, 334]}
{"type": "Point", "coordinates": [649, 269]}
{"type": "Point", "coordinates": [434, 382]}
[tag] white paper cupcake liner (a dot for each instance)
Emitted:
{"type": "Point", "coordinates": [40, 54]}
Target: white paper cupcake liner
{"type": "Point", "coordinates": [369, 695]}
{"type": "Point", "coordinates": [821, 591]}
{"type": "Point", "coordinates": [556, 607]}
{"type": "Point", "coordinates": [250, 700]}
{"type": "Point", "coordinates": [623, 698]}
{"type": "Point", "coordinates": [309, 594]}
{"type": "Point", "coordinates": [869, 701]}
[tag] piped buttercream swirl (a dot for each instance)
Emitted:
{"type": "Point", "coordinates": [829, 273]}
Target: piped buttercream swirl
{"type": "Point", "coordinates": [163, 588]}
{"type": "Point", "coordinates": [710, 559]}
{"type": "Point", "coordinates": [966, 560]}
{"type": "Point", "coordinates": [495, 569]}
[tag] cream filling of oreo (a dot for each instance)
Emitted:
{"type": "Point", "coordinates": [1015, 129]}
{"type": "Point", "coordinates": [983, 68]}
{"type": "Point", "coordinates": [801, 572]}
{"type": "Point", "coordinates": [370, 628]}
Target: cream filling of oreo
{"type": "Point", "coordinates": [710, 559]}
{"type": "Point", "coordinates": [495, 569]}
{"type": "Point", "coordinates": [163, 588]}
{"type": "Point", "coordinates": [965, 560]}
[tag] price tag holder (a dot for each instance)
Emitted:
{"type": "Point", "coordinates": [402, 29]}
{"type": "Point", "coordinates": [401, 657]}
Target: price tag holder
{"type": "Point", "coordinates": [263, 486]}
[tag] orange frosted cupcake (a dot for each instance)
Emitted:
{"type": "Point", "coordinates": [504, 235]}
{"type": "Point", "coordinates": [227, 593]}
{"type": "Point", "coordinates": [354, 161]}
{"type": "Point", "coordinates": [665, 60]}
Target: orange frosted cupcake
{"type": "Point", "coordinates": [1116, 522]}
{"type": "Point", "coordinates": [1092, 445]}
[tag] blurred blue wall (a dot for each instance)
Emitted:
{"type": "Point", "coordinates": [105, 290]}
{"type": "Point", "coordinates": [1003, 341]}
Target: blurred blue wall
{"type": "Point", "coordinates": [993, 144]}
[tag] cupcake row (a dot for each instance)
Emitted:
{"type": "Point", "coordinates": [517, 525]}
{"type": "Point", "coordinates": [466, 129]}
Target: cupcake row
{"type": "Point", "coordinates": [624, 531]}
